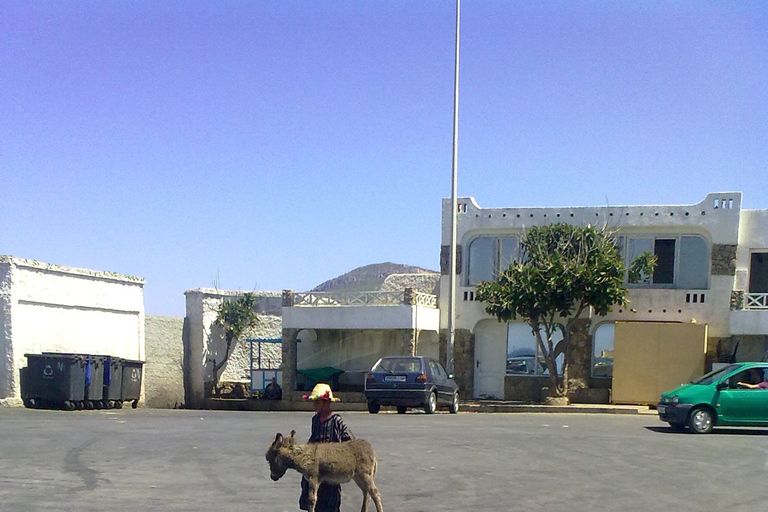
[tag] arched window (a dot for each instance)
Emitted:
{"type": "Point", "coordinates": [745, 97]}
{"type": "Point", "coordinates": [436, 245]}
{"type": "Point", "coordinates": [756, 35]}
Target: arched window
{"type": "Point", "coordinates": [602, 351]}
{"type": "Point", "coordinates": [489, 256]}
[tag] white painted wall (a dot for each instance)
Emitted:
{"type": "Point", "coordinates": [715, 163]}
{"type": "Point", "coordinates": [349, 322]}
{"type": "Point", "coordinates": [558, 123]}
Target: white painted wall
{"type": "Point", "coordinates": [50, 308]}
{"type": "Point", "coordinates": [361, 317]}
{"type": "Point", "coordinates": [717, 218]}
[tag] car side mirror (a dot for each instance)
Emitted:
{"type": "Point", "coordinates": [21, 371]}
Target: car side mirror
{"type": "Point", "coordinates": [722, 385]}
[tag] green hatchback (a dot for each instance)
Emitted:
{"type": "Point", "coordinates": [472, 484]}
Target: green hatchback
{"type": "Point", "coordinates": [735, 395]}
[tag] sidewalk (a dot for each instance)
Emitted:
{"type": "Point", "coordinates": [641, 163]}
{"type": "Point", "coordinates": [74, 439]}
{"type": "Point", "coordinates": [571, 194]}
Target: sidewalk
{"type": "Point", "coordinates": [497, 406]}
{"type": "Point", "coordinates": [478, 406]}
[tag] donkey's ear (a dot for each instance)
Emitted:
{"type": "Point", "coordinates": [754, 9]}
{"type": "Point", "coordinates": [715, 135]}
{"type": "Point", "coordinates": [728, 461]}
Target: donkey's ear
{"type": "Point", "coordinates": [278, 438]}
{"type": "Point", "coordinates": [293, 434]}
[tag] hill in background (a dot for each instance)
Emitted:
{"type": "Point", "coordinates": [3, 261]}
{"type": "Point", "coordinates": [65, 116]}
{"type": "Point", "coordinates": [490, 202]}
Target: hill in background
{"type": "Point", "coordinates": [369, 278]}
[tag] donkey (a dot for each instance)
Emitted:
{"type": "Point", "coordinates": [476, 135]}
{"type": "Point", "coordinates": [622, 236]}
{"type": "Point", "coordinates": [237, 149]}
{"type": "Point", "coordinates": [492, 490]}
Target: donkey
{"type": "Point", "coordinates": [335, 463]}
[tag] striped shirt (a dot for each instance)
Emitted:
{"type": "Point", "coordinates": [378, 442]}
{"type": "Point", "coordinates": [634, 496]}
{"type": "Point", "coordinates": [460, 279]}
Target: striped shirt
{"type": "Point", "coordinates": [332, 430]}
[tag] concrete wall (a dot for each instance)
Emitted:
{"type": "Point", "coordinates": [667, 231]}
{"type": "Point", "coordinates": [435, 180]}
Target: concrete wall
{"type": "Point", "coordinates": [204, 342]}
{"type": "Point", "coordinates": [50, 308]}
{"type": "Point", "coordinates": [163, 370]}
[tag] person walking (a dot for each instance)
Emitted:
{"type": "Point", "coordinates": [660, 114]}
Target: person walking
{"type": "Point", "coordinates": [327, 427]}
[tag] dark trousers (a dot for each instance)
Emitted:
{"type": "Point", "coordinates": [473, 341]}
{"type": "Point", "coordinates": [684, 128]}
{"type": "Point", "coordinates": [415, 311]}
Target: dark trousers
{"type": "Point", "coordinates": [328, 497]}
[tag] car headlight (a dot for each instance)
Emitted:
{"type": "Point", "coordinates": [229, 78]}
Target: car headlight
{"type": "Point", "coordinates": [674, 400]}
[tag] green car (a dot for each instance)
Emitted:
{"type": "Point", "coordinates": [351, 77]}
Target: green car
{"type": "Point", "coordinates": [735, 395]}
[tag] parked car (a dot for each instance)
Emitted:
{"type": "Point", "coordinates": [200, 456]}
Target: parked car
{"type": "Point", "coordinates": [729, 396]}
{"type": "Point", "coordinates": [410, 381]}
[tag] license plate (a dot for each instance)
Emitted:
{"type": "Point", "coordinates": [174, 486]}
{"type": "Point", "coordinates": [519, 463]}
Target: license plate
{"type": "Point", "coordinates": [394, 378]}
{"type": "Point", "coordinates": [662, 409]}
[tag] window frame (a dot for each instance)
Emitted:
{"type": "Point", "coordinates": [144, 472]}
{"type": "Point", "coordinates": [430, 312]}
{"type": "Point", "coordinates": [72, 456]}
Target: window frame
{"type": "Point", "coordinates": [624, 241]}
{"type": "Point", "coordinates": [497, 255]}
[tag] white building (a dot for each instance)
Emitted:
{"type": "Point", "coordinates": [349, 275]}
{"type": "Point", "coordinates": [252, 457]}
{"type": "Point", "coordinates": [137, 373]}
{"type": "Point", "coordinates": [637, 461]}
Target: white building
{"type": "Point", "coordinates": [712, 271]}
{"type": "Point", "coordinates": [50, 308]}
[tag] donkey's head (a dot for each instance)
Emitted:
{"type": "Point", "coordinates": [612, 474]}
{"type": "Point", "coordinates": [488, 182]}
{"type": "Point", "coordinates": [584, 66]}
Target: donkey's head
{"type": "Point", "coordinates": [279, 465]}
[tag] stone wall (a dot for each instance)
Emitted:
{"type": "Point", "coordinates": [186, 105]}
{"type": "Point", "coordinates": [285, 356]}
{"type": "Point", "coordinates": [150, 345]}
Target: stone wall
{"type": "Point", "coordinates": [163, 369]}
{"type": "Point", "coordinates": [204, 342]}
{"type": "Point", "coordinates": [724, 259]}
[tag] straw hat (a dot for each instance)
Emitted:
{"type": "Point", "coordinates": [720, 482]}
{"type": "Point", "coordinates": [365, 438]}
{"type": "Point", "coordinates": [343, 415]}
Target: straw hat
{"type": "Point", "coordinates": [321, 392]}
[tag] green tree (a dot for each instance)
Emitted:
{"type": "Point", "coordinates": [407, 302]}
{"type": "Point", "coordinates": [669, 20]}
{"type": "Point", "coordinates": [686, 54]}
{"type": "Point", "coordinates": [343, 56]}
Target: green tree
{"type": "Point", "coordinates": [565, 270]}
{"type": "Point", "coordinates": [234, 317]}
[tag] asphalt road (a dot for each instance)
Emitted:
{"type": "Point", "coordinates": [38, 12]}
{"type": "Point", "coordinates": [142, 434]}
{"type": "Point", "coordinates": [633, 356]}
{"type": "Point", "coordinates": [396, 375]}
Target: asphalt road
{"type": "Point", "coordinates": [174, 460]}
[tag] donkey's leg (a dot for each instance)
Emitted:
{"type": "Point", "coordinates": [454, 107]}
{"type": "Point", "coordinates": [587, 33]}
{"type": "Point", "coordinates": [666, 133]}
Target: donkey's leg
{"type": "Point", "coordinates": [312, 494]}
{"type": "Point", "coordinates": [365, 483]}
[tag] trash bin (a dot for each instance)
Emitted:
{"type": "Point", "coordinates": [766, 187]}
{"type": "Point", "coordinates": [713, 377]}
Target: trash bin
{"type": "Point", "coordinates": [131, 381]}
{"type": "Point", "coordinates": [94, 381]}
{"type": "Point", "coordinates": [55, 380]}
{"type": "Point", "coordinates": [113, 379]}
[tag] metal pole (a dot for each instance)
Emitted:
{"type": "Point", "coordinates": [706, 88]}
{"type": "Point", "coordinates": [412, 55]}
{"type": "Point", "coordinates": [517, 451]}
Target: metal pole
{"type": "Point", "coordinates": [454, 201]}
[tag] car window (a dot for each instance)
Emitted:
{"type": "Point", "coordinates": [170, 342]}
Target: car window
{"type": "Point", "coordinates": [398, 365]}
{"type": "Point", "coordinates": [435, 368]}
{"type": "Point", "coordinates": [714, 376]}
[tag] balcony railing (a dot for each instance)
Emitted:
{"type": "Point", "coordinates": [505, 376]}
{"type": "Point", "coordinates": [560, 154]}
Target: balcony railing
{"type": "Point", "coordinates": [396, 298]}
{"type": "Point", "coordinates": [756, 300]}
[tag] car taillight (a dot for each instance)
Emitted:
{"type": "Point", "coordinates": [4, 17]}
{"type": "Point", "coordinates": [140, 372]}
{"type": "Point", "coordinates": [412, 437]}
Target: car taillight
{"type": "Point", "coordinates": [421, 378]}
{"type": "Point", "coordinates": [369, 377]}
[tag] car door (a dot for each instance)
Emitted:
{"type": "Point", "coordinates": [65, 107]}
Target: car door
{"type": "Point", "coordinates": [440, 379]}
{"type": "Point", "coordinates": [740, 405]}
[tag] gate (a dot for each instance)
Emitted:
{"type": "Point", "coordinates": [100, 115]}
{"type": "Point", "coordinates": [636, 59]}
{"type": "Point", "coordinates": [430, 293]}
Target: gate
{"type": "Point", "coordinates": [266, 361]}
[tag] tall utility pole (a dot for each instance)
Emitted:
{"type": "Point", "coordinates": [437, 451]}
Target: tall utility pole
{"type": "Point", "coordinates": [454, 201]}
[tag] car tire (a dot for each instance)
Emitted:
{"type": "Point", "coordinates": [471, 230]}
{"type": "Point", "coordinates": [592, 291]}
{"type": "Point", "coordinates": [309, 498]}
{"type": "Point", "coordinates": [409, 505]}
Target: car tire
{"type": "Point", "coordinates": [701, 420]}
{"type": "Point", "coordinates": [431, 406]}
{"type": "Point", "coordinates": [401, 409]}
{"type": "Point", "coordinates": [373, 407]}
{"type": "Point", "coordinates": [454, 407]}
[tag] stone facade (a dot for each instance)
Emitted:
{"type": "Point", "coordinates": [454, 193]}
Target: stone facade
{"type": "Point", "coordinates": [163, 370]}
{"type": "Point", "coordinates": [724, 259]}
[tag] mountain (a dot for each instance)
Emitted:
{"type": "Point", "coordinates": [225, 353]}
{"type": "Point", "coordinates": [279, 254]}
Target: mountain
{"type": "Point", "coordinates": [369, 278]}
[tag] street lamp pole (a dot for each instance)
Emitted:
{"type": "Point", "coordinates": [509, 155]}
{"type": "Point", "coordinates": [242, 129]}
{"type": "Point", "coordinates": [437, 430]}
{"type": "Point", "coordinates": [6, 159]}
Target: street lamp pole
{"type": "Point", "coordinates": [454, 201]}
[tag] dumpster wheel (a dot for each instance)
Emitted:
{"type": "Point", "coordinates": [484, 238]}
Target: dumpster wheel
{"type": "Point", "coordinates": [135, 404]}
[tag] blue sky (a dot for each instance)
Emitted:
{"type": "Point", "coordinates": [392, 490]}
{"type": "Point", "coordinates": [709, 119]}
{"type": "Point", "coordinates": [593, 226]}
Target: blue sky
{"type": "Point", "coordinates": [276, 144]}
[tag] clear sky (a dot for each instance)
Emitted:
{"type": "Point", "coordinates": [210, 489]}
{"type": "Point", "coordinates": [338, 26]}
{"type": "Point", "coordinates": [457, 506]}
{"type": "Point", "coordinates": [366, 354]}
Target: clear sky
{"type": "Point", "coordinates": [277, 144]}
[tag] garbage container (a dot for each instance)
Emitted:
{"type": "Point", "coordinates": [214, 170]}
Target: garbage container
{"type": "Point", "coordinates": [94, 381]}
{"type": "Point", "coordinates": [131, 381]}
{"type": "Point", "coordinates": [113, 379]}
{"type": "Point", "coordinates": [55, 380]}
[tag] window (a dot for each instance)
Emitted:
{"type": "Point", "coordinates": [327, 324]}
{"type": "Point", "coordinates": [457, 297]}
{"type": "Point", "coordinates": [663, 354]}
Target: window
{"type": "Point", "coordinates": [489, 256]}
{"type": "Point", "coordinates": [682, 261]}
{"type": "Point", "coordinates": [602, 351]}
{"type": "Point", "coordinates": [523, 354]}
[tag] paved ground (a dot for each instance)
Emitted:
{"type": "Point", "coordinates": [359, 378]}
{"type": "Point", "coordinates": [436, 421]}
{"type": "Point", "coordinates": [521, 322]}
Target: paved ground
{"type": "Point", "coordinates": [169, 460]}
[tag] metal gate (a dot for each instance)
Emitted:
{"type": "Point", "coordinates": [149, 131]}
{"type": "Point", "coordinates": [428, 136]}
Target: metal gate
{"type": "Point", "coordinates": [264, 364]}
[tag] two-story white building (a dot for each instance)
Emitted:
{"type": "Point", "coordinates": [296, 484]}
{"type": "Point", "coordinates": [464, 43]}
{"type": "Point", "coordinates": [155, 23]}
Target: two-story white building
{"type": "Point", "coordinates": [705, 303]}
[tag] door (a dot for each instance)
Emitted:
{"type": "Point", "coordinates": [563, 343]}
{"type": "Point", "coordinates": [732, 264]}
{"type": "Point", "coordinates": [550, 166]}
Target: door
{"type": "Point", "coordinates": [490, 359]}
{"type": "Point", "coordinates": [738, 404]}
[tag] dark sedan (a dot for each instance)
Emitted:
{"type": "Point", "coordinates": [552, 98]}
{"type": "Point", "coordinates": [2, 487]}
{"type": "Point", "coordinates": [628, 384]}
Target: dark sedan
{"type": "Point", "coordinates": [410, 381]}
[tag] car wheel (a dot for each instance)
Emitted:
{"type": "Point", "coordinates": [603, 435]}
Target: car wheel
{"type": "Point", "coordinates": [373, 407]}
{"type": "Point", "coordinates": [701, 420]}
{"type": "Point", "coordinates": [401, 409]}
{"type": "Point", "coordinates": [431, 406]}
{"type": "Point", "coordinates": [454, 407]}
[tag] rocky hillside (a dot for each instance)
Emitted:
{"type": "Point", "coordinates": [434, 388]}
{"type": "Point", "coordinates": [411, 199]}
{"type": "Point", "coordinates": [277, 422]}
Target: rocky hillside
{"type": "Point", "coordinates": [369, 278]}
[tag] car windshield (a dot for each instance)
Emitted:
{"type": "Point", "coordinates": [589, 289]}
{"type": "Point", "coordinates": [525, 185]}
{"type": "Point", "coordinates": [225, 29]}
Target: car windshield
{"type": "Point", "coordinates": [715, 375]}
{"type": "Point", "coordinates": [398, 365]}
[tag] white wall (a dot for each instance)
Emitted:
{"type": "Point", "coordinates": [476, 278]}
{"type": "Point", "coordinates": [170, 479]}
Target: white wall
{"type": "Point", "coordinates": [50, 308]}
{"type": "Point", "coordinates": [719, 225]}
{"type": "Point", "coordinates": [204, 341]}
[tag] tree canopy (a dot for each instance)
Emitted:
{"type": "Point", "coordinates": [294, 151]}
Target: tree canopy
{"type": "Point", "coordinates": [564, 270]}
